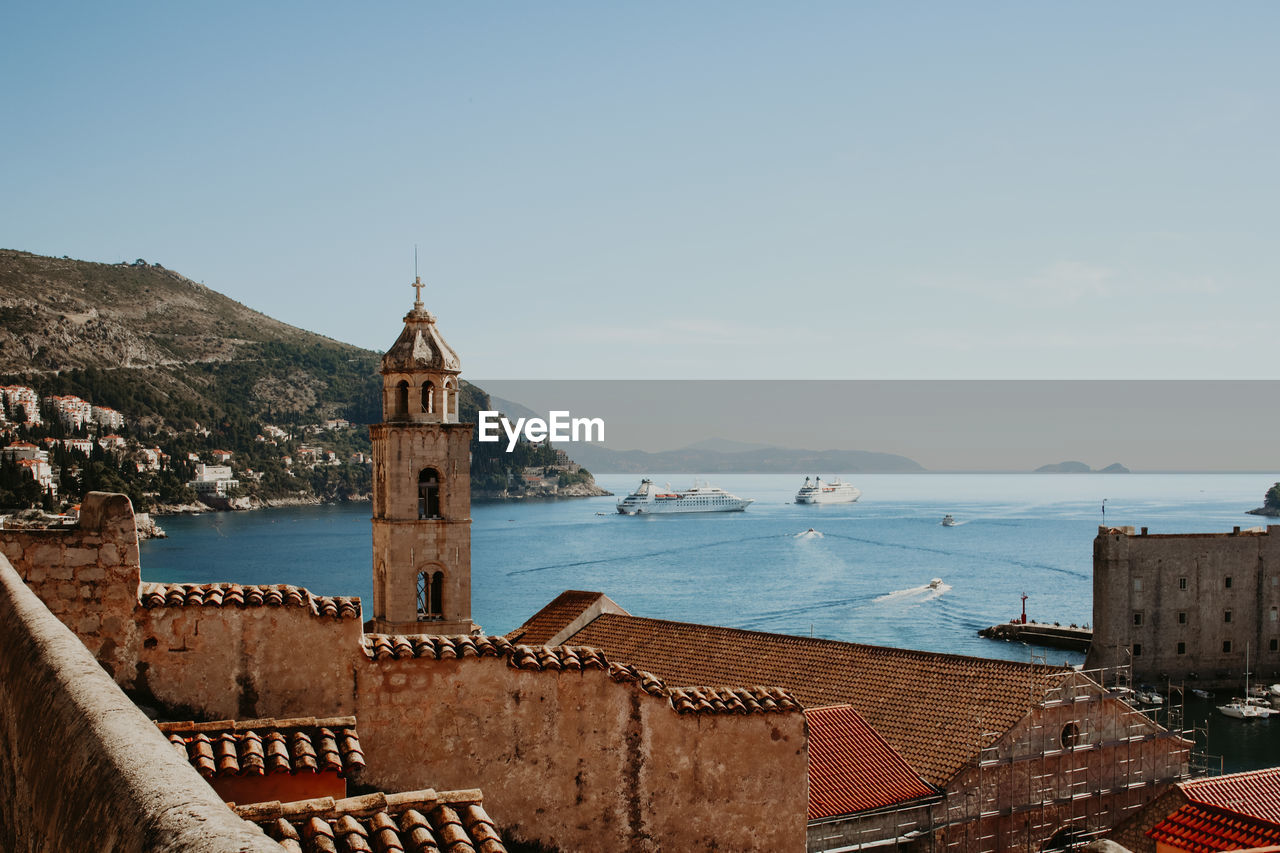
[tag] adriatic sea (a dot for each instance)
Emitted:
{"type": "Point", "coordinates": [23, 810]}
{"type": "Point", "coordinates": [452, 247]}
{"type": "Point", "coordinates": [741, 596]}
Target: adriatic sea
{"type": "Point", "coordinates": [866, 578]}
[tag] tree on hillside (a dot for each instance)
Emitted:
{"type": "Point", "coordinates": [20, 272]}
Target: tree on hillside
{"type": "Point", "coordinates": [1272, 501]}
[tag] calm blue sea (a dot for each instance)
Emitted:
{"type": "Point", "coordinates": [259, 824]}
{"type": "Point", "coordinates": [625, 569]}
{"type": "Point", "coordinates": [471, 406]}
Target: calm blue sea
{"type": "Point", "coordinates": [865, 579]}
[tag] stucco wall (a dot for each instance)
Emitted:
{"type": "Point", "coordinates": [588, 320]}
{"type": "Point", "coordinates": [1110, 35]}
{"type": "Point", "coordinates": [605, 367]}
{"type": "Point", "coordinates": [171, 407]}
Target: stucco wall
{"type": "Point", "coordinates": [81, 769]}
{"type": "Point", "coordinates": [86, 575]}
{"type": "Point", "coordinates": [1154, 592]}
{"type": "Point", "coordinates": [580, 761]}
{"type": "Point", "coordinates": [231, 662]}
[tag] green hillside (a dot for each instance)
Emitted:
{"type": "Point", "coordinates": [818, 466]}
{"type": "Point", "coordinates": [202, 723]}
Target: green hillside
{"type": "Point", "coordinates": [193, 372]}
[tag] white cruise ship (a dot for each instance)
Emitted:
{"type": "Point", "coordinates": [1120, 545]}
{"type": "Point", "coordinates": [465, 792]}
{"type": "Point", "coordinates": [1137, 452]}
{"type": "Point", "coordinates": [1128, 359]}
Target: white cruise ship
{"type": "Point", "coordinates": [814, 491]}
{"type": "Point", "coordinates": [647, 498]}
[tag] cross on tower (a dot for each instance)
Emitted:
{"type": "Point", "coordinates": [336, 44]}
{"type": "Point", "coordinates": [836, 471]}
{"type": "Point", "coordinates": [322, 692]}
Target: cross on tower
{"type": "Point", "coordinates": [417, 286]}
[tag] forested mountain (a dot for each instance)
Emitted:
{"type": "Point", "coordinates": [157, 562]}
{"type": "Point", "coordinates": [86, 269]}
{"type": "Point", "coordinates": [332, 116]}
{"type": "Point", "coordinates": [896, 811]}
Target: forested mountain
{"type": "Point", "coordinates": [193, 372]}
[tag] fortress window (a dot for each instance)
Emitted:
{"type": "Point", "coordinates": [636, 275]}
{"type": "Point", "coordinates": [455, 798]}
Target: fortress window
{"type": "Point", "coordinates": [1228, 582]}
{"type": "Point", "coordinates": [1275, 645]}
{"type": "Point", "coordinates": [1137, 584]}
{"type": "Point", "coordinates": [1226, 647]}
{"type": "Point", "coordinates": [428, 397]}
{"type": "Point", "coordinates": [1137, 618]}
{"type": "Point", "coordinates": [1137, 650]}
{"type": "Point", "coordinates": [1070, 735]}
{"type": "Point", "coordinates": [402, 398]}
{"type": "Point", "coordinates": [1182, 648]}
{"type": "Point", "coordinates": [1274, 614]}
{"type": "Point", "coordinates": [1182, 583]}
{"type": "Point", "coordinates": [1226, 616]}
{"type": "Point", "coordinates": [1182, 617]}
{"type": "Point", "coordinates": [429, 493]}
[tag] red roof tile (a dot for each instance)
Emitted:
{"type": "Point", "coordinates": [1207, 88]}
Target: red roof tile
{"type": "Point", "coordinates": [259, 747]}
{"type": "Point", "coordinates": [1205, 829]}
{"type": "Point", "coordinates": [686, 700]}
{"type": "Point", "coordinates": [414, 822]}
{"type": "Point", "coordinates": [547, 622]}
{"type": "Point", "coordinates": [934, 709]}
{"type": "Point", "coordinates": [1256, 793]}
{"type": "Point", "coordinates": [237, 595]}
{"type": "Point", "coordinates": [853, 769]}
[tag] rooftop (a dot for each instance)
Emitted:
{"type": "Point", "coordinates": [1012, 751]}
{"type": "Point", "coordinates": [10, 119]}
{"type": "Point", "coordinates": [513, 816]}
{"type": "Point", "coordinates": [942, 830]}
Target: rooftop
{"type": "Point", "coordinates": [259, 747]}
{"type": "Point", "coordinates": [1205, 829]}
{"type": "Point", "coordinates": [852, 769]}
{"type": "Point", "coordinates": [895, 690]}
{"type": "Point", "coordinates": [1256, 793]}
{"type": "Point", "coordinates": [413, 822]}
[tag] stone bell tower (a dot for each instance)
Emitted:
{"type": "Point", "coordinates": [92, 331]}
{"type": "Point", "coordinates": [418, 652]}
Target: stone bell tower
{"type": "Point", "coordinates": [421, 487]}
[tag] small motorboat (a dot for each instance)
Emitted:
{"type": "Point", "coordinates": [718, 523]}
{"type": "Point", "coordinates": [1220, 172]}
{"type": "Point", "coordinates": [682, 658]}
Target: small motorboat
{"type": "Point", "coordinates": [948, 520]}
{"type": "Point", "coordinates": [1201, 694]}
{"type": "Point", "coordinates": [935, 583]}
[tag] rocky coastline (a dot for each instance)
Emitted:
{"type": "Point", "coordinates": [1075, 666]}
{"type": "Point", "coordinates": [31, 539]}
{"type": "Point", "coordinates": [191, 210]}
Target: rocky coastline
{"type": "Point", "coordinates": [1269, 511]}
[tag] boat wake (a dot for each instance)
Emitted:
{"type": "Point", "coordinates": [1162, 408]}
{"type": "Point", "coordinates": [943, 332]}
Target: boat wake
{"type": "Point", "coordinates": [933, 589]}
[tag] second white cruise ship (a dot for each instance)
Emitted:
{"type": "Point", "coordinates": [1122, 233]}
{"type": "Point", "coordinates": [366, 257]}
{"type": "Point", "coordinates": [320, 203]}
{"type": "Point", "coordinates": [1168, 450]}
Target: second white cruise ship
{"type": "Point", "coordinates": [648, 499]}
{"type": "Point", "coordinates": [817, 492]}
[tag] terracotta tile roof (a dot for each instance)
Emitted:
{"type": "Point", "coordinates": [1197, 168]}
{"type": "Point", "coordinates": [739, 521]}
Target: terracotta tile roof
{"type": "Point", "coordinates": [259, 747]}
{"type": "Point", "coordinates": [238, 595]}
{"type": "Point", "coordinates": [414, 822]}
{"type": "Point", "coordinates": [686, 700]}
{"type": "Point", "coordinates": [1256, 793]}
{"type": "Point", "coordinates": [547, 622]}
{"type": "Point", "coordinates": [934, 709]}
{"type": "Point", "coordinates": [853, 769]}
{"type": "Point", "coordinates": [1204, 829]}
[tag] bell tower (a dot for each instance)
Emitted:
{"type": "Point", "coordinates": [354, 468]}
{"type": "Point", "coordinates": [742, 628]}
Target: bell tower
{"type": "Point", "coordinates": [421, 487]}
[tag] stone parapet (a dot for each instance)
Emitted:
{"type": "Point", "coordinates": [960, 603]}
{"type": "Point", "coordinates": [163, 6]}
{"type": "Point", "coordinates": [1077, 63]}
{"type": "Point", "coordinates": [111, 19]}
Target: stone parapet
{"type": "Point", "coordinates": [81, 768]}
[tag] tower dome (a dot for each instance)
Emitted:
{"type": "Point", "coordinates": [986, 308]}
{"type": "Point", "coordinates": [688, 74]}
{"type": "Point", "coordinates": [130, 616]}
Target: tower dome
{"type": "Point", "coordinates": [420, 371]}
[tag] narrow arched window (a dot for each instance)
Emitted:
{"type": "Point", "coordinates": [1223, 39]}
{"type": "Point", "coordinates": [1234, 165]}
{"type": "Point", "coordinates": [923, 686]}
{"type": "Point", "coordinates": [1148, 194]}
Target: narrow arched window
{"type": "Point", "coordinates": [451, 402]}
{"type": "Point", "coordinates": [424, 594]}
{"type": "Point", "coordinates": [428, 397]}
{"type": "Point", "coordinates": [429, 493]}
{"type": "Point", "coordinates": [437, 594]}
{"type": "Point", "coordinates": [402, 398]}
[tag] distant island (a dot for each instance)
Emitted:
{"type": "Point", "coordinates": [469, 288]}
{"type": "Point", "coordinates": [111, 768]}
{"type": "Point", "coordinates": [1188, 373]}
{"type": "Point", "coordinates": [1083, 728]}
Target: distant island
{"type": "Point", "coordinates": [1081, 468]}
{"type": "Point", "coordinates": [1270, 503]}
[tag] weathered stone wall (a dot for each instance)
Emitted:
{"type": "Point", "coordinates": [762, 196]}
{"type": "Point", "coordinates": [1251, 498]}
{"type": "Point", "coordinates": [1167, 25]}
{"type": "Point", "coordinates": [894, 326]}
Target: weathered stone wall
{"type": "Point", "coordinates": [583, 762]}
{"type": "Point", "coordinates": [226, 662]}
{"type": "Point", "coordinates": [81, 768]}
{"type": "Point", "coordinates": [1172, 603]}
{"type": "Point", "coordinates": [86, 575]}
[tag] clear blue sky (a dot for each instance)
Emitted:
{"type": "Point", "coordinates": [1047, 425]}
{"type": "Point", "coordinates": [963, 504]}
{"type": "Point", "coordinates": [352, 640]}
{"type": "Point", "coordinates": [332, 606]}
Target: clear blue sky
{"type": "Point", "coordinates": [732, 190]}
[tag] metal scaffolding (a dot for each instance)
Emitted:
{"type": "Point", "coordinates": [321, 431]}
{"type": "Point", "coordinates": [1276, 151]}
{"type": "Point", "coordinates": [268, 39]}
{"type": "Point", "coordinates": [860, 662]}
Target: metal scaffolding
{"type": "Point", "coordinates": [1083, 761]}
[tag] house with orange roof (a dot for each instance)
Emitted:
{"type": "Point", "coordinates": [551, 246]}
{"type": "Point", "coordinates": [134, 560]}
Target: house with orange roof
{"type": "Point", "coordinates": [1237, 811]}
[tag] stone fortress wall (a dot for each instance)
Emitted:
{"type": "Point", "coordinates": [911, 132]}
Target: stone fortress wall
{"type": "Point", "coordinates": [1187, 607]}
{"type": "Point", "coordinates": [579, 756]}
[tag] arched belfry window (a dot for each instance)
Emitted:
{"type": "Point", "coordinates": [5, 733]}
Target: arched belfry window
{"type": "Point", "coordinates": [451, 398]}
{"type": "Point", "coordinates": [430, 595]}
{"type": "Point", "coordinates": [428, 397]}
{"type": "Point", "coordinates": [402, 398]}
{"type": "Point", "coordinates": [429, 493]}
